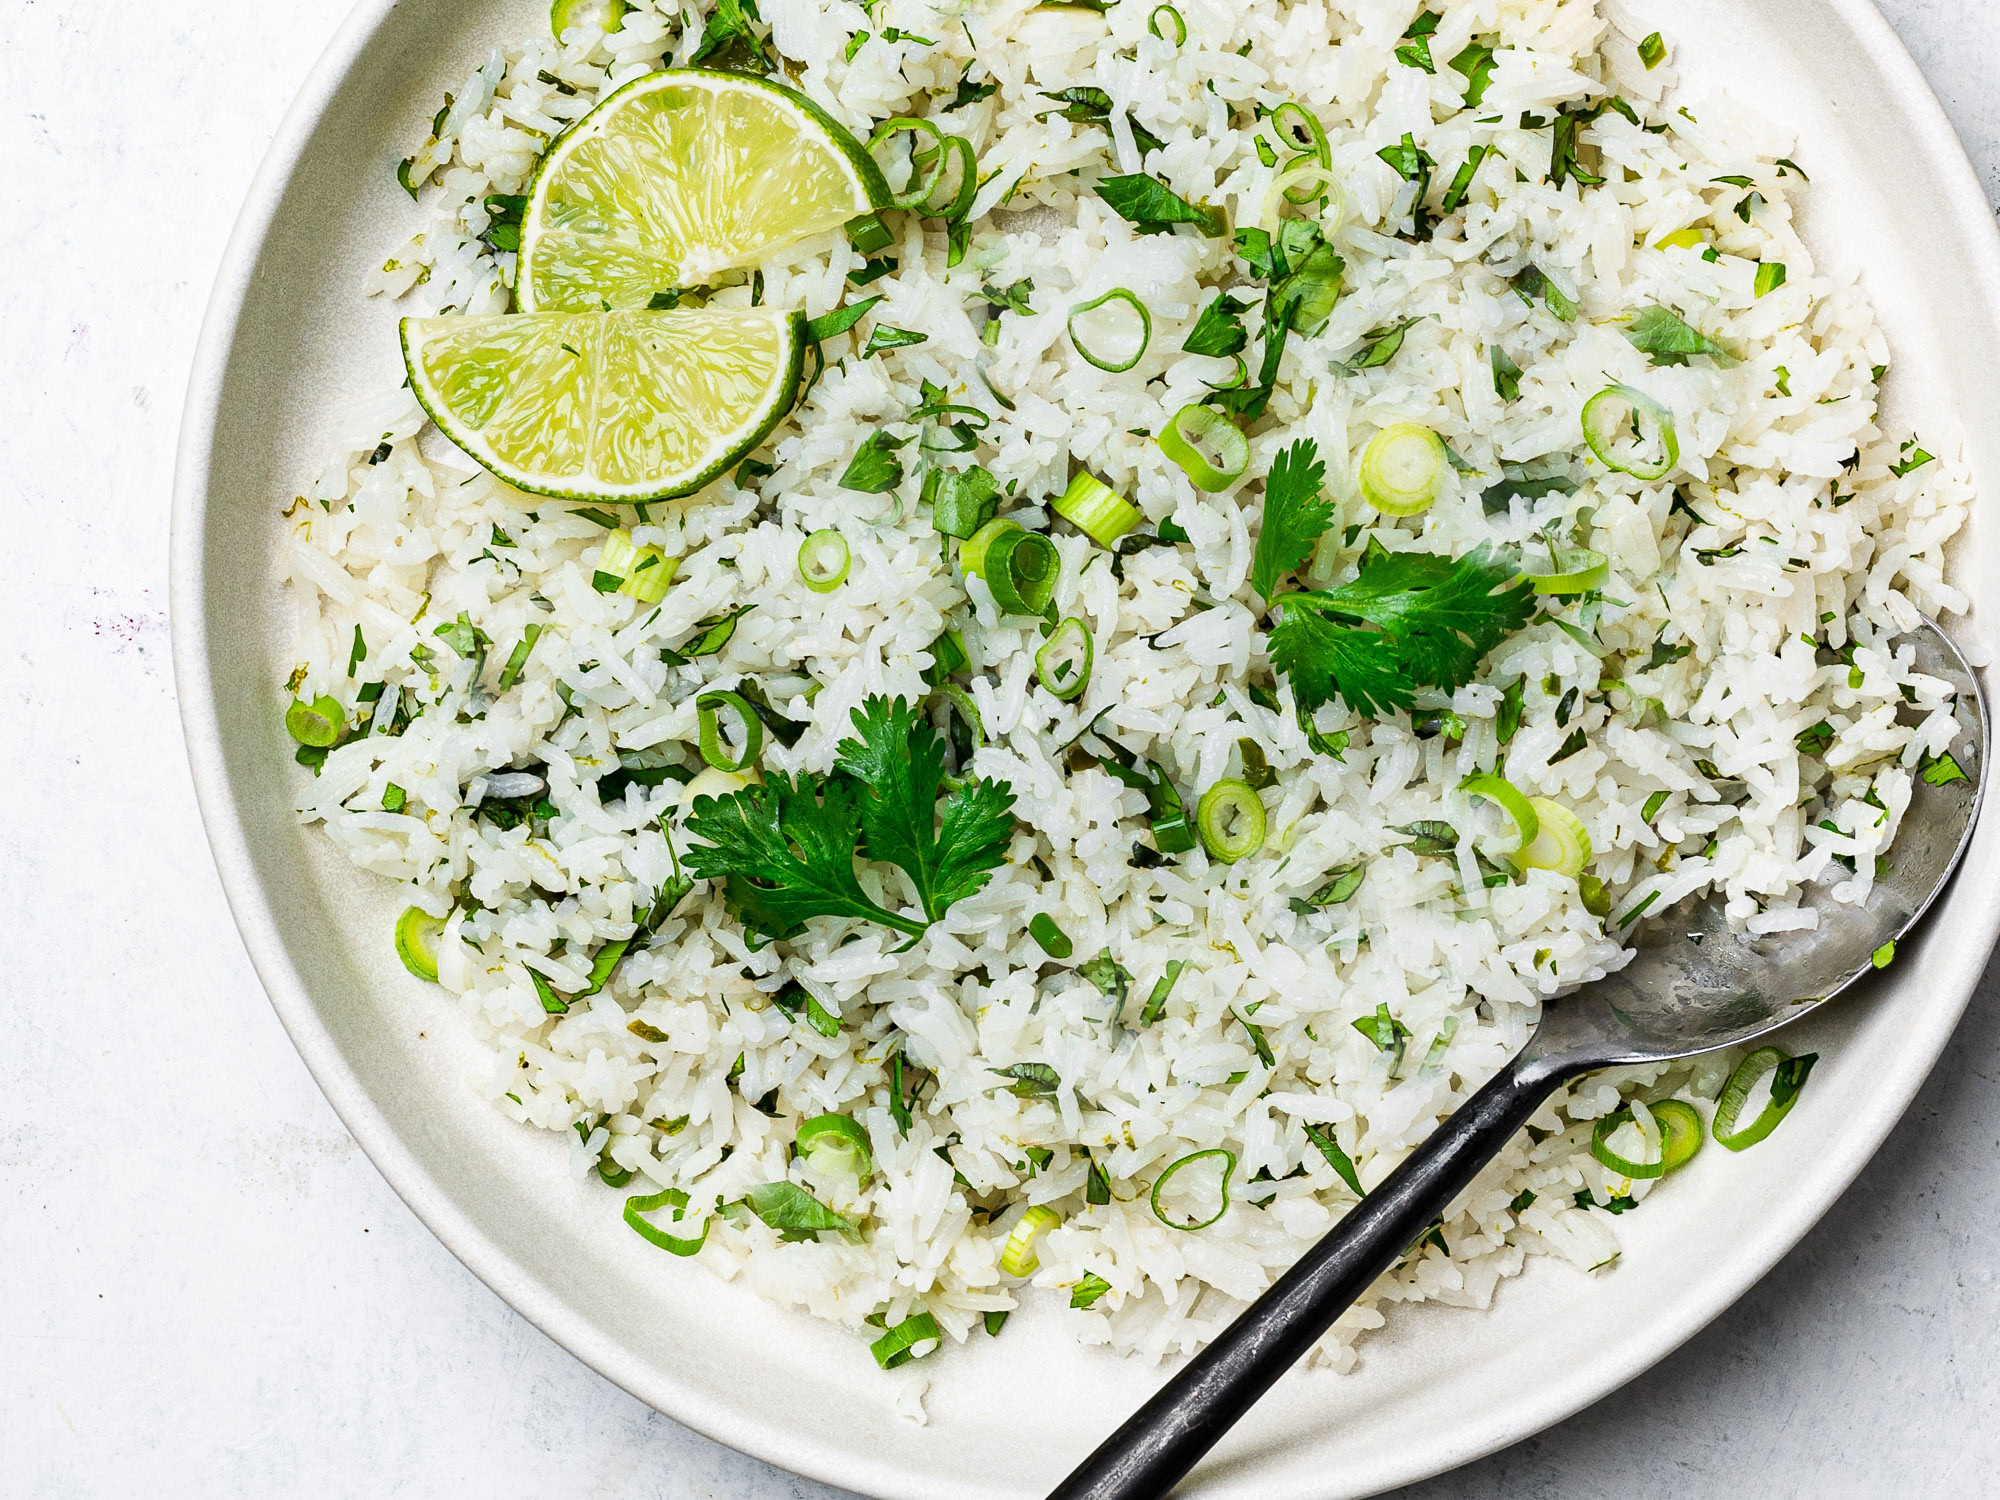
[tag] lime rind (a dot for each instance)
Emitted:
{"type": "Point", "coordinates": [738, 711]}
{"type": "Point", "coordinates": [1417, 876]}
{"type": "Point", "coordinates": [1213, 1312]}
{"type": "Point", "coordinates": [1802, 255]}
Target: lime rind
{"type": "Point", "coordinates": [678, 176]}
{"type": "Point", "coordinates": [623, 407]}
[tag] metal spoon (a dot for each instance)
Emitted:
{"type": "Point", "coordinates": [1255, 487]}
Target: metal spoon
{"type": "Point", "coordinates": [1695, 985]}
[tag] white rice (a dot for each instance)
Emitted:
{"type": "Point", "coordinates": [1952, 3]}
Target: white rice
{"type": "Point", "coordinates": [1809, 535]}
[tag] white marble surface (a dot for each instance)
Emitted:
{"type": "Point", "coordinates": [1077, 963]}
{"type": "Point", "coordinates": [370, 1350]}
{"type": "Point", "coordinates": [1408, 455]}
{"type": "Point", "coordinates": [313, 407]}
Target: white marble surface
{"type": "Point", "coordinates": [207, 1288]}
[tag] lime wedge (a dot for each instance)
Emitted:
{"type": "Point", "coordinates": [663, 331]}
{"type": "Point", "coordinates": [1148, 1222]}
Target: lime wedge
{"type": "Point", "coordinates": [678, 176]}
{"type": "Point", "coordinates": [620, 406]}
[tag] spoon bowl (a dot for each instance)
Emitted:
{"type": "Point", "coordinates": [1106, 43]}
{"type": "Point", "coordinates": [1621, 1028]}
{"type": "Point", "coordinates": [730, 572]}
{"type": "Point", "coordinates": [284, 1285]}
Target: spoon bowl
{"type": "Point", "coordinates": [1696, 982]}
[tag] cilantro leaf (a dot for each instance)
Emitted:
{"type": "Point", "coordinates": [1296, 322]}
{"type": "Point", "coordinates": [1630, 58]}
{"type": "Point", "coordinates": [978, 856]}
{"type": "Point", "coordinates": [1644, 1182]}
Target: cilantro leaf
{"type": "Point", "coordinates": [1667, 339]}
{"type": "Point", "coordinates": [793, 1212]}
{"type": "Point", "coordinates": [1476, 63]}
{"type": "Point", "coordinates": [730, 41]}
{"type": "Point", "coordinates": [1378, 347]}
{"type": "Point", "coordinates": [1433, 620]}
{"type": "Point", "coordinates": [1219, 329]}
{"type": "Point", "coordinates": [1092, 106]}
{"type": "Point", "coordinates": [1149, 203]}
{"type": "Point", "coordinates": [875, 469]}
{"type": "Point", "coordinates": [1297, 513]}
{"type": "Point", "coordinates": [899, 762]}
{"type": "Point", "coordinates": [970, 92]}
{"type": "Point", "coordinates": [840, 319]}
{"type": "Point", "coordinates": [785, 852]}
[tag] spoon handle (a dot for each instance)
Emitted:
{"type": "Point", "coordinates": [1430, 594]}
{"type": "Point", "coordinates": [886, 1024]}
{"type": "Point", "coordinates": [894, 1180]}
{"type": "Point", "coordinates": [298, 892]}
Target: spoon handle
{"type": "Point", "coordinates": [1167, 1436]}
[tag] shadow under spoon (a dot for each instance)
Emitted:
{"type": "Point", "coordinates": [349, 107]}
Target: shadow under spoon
{"type": "Point", "coordinates": [1695, 984]}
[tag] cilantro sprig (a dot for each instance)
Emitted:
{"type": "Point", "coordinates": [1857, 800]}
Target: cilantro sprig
{"type": "Point", "coordinates": [785, 851]}
{"type": "Point", "coordinates": [1297, 512]}
{"type": "Point", "coordinates": [1409, 620]}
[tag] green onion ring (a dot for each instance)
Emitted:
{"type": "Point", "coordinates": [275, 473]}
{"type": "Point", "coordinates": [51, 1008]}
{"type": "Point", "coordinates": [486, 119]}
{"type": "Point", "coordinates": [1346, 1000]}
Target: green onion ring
{"type": "Point", "coordinates": [1791, 1078]}
{"type": "Point", "coordinates": [1228, 1169]}
{"type": "Point", "coordinates": [417, 934]}
{"type": "Point", "coordinates": [824, 558]}
{"type": "Point", "coordinates": [1283, 186]}
{"type": "Point", "coordinates": [1604, 1130]}
{"type": "Point", "coordinates": [1209, 448]}
{"type": "Point", "coordinates": [915, 192]}
{"type": "Point", "coordinates": [1575, 570]}
{"type": "Point", "coordinates": [1601, 423]}
{"type": "Point", "coordinates": [1116, 294]}
{"type": "Point", "coordinates": [1174, 16]}
{"type": "Point", "coordinates": [955, 206]}
{"type": "Point", "coordinates": [1680, 1132]}
{"type": "Point", "coordinates": [707, 710]}
{"type": "Point", "coordinates": [1561, 842]}
{"type": "Point", "coordinates": [672, 1198]}
{"type": "Point", "coordinates": [1070, 649]}
{"type": "Point", "coordinates": [1402, 468]}
{"type": "Point", "coordinates": [834, 1143]}
{"type": "Point", "coordinates": [961, 700]}
{"type": "Point", "coordinates": [1230, 819]}
{"type": "Point", "coordinates": [1018, 1256]}
{"type": "Point", "coordinates": [1020, 567]}
{"type": "Point", "coordinates": [1095, 509]}
{"type": "Point", "coordinates": [317, 723]}
{"type": "Point", "coordinates": [1510, 800]}
{"type": "Point", "coordinates": [1315, 145]}
{"type": "Point", "coordinates": [899, 1345]}
{"type": "Point", "coordinates": [1236, 381]}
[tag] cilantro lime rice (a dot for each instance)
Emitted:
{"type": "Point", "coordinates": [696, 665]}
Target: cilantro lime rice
{"type": "Point", "coordinates": [1303, 525]}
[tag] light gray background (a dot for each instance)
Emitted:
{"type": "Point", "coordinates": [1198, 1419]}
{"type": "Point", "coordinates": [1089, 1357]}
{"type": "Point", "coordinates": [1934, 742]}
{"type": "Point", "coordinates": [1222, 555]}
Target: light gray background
{"type": "Point", "coordinates": [205, 1288]}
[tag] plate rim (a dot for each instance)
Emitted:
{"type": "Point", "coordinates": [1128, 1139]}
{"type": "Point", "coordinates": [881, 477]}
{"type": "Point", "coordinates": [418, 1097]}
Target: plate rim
{"type": "Point", "coordinates": [684, 1400]}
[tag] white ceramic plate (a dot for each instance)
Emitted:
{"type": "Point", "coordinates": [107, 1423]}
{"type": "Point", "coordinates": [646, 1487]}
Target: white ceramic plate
{"type": "Point", "coordinates": [288, 332]}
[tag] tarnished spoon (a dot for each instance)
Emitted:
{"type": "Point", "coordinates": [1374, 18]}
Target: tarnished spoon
{"type": "Point", "coordinates": [1695, 985]}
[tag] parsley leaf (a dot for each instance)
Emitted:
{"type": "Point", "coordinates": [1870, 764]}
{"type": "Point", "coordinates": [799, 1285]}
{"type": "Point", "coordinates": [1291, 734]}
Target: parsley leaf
{"type": "Point", "coordinates": [1155, 208]}
{"type": "Point", "coordinates": [1297, 513]}
{"type": "Point", "coordinates": [1433, 619]}
{"type": "Point", "coordinates": [899, 761]}
{"type": "Point", "coordinates": [1667, 339]}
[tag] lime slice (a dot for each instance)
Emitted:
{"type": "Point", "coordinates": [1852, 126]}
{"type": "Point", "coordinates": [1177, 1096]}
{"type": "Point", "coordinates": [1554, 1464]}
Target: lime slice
{"type": "Point", "coordinates": [678, 176]}
{"type": "Point", "coordinates": [620, 406]}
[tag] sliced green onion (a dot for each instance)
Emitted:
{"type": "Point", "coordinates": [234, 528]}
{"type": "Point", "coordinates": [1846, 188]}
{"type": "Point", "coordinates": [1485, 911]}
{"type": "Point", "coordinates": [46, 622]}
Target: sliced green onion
{"type": "Point", "coordinates": [968, 712]}
{"type": "Point", "coordinates": [1103, 361]}
{"type": "Point", "coordinates": [834, 1144]}
{"type": "Point", "coordinates": [1210, 449]}
{"type": "Point", "coordinates": [643, 573]}
{"type": "Point", "coordinates": [1561, 843]}
{"type": "Point", "coordinates": [1610, 411]}
{"type": "Point", "coordinates": [1788, 1076]}
{"type": "Point", "coordinates": [910, 1339]}
{"type": "Point", "coordinates": [1575, 570]}
{"type": "Point", "coordinates": [1018, 1256]}
{"type": "Point", "coordinates": [1173, 19]}
{"type": "Point", "coordinates": [750, 730]}
{"type": "Point", "coordinates": [1020, 567]}
{"type": "Point", "coordinates": [919, 186]}
{"type": "Point", "coordinates": [1228, 1159]}
{"type": "Point", "coordinates": [417, 934]}
{"type": "Point", "coordinates": [948, 657]}
{"type": "Point", "coordinates": [1094, 508]}
{"type": "Point", "coordinates": [953, 148]}
{"type": "Point", "coordinates": [1062, 665]}
{"type": "Point", "coordinates": [1054, 941]}
{"type": "Point", "coordinates": [672, 1198]}
{"type": "Point", "coordinates": [1510, 800]}
{"type": "Point", "coordinates": [1313, 143]}
{"type": "Point", "coordinates": [1230, 819]}
{"type": "Point", "coordinates": [1401, 469]}
{"type": "Point", "coordinates": [1609, 1126]}
{"type": "Point", "coordinates": [823, 561]}
{"type": "Point", "coordinates": [1680, 1132]}
{"type": "Point", "coordinates": [318, 723]}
